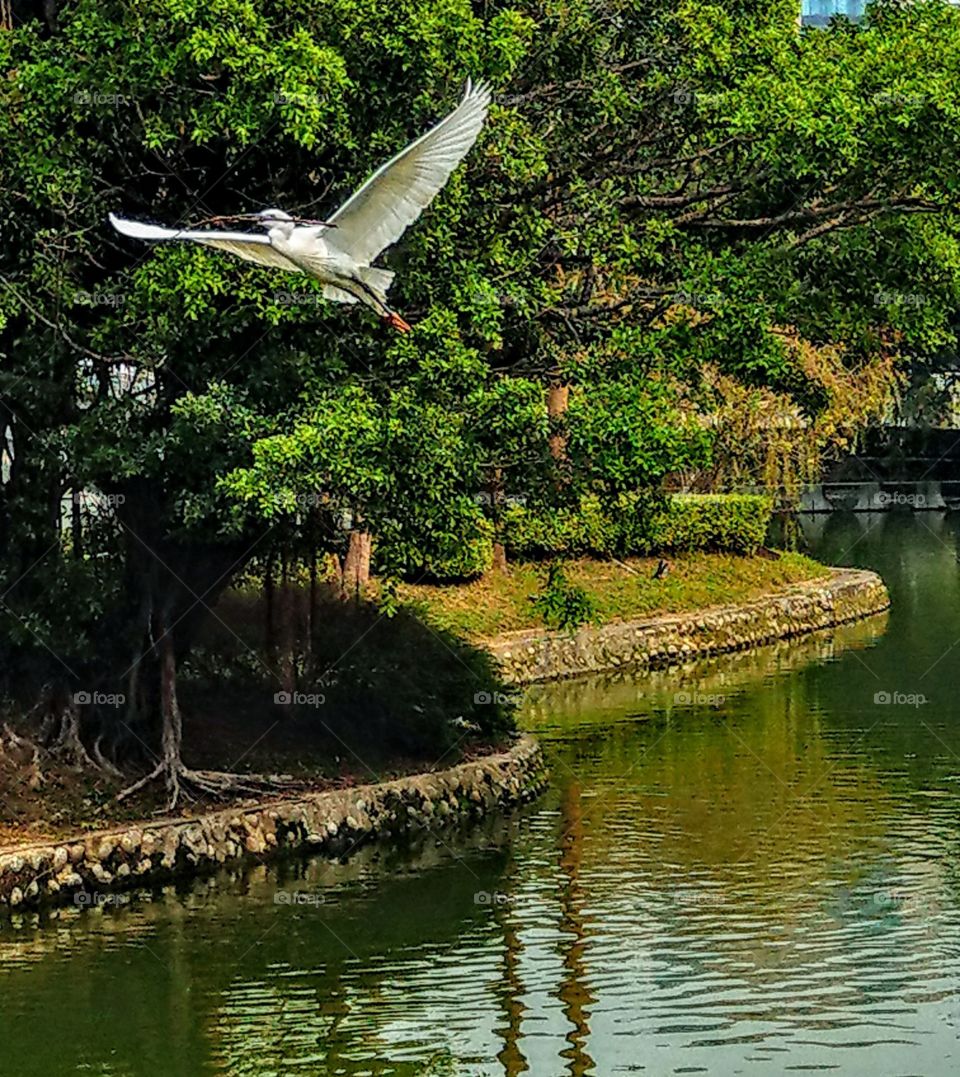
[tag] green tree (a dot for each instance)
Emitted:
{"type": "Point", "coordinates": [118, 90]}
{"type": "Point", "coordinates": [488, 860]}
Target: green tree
{"type": "Point", "coordinates": [664, 195]}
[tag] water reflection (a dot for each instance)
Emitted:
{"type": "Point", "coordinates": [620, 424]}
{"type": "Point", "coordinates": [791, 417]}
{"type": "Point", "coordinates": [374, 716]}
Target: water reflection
{"type": "Point", "coordinates": [743, 864]}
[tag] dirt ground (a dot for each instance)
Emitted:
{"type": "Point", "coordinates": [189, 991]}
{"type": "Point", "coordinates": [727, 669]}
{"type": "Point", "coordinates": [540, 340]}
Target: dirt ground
{"type": "Point", "coordinates": [45, 797]}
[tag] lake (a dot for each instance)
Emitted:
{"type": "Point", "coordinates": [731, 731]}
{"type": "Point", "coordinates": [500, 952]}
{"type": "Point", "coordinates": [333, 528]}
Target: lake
{"type": "Point", "coordinates": [744, 865]}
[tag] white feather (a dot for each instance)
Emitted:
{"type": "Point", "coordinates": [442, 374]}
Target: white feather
{"type": "Point", "coordinates": [246, 245]}
{"type": "Point", "coordinates": [397, 193]}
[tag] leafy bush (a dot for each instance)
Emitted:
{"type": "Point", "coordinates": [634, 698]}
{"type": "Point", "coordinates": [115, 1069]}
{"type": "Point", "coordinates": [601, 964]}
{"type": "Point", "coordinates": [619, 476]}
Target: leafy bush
{"type": "Point", "coordinates": [472, 554]}
{"type": "Point", "coordinates": [563, 604]}
{"type": "Point", "coordinates": [735, 523]}
{"type": "Point", "coordinates": [447, 556]}
{"type": "Point", "coordinates": [542, 532]}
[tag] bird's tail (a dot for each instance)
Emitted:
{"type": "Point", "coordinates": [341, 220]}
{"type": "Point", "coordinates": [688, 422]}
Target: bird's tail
{"type": "Point", "coordinates": [378, 281]}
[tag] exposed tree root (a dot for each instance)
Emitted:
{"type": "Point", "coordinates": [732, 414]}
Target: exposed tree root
{"type": "Point", "coordinates": [185, 783]}
{"type": "Point", "coordinates": [59, 734]}
{"type": "Point", "coordinates": [181, 781]}
{"type": "Point", "coordinates": [223, 783]}
{"type": "Point", "coordinates": [102, 762]}
{"type": "Point", "coordinates": [66, 742]}
{"type": "Point", "coordinates": [13, 740]}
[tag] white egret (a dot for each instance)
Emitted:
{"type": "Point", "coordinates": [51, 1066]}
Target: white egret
{"type": "Point", "coordinates": [339, 251]}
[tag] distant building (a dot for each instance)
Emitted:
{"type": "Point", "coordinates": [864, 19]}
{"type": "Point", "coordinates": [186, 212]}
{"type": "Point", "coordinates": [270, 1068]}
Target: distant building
{"type": "Point", "coordinates": [820, 12]}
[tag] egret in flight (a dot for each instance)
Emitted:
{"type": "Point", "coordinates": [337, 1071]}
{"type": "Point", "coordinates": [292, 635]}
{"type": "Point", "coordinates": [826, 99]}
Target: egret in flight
{"type": "Point", "coordinates": [339, 251]}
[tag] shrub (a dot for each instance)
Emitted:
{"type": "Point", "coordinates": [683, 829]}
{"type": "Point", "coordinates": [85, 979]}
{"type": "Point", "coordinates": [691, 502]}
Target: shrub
{"type": "Point", "coordinates": [448, 556]}
{"type": "Point", "coordinates": [638, 524]}
{"type": "Point", "coordinates": [530, 534]}
{"type": "Point", "coordinates": [471, 554]}
{"type": "Point", "coordinates": [563, 604]}
{"type": "Point", "coordinates": [734, 523]}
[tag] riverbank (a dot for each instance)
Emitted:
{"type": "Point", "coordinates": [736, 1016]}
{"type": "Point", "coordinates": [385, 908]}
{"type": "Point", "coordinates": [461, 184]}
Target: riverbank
{"type": "Point", "coordinates": [840, 597]}
{"type": "Point", "coordinates": [61, 862]}
{"type": "Point", "coordinates": [88, 868]}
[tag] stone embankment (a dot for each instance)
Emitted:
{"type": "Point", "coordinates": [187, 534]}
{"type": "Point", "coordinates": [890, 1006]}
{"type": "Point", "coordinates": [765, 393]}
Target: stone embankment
{"type": "Point", "coordinates": [85, 869]}
{"type": "Point", "coordinates": [539, 655]}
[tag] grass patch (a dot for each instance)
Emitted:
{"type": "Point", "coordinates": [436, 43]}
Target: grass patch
{"type": "Point", "coordinates": [621, 591]}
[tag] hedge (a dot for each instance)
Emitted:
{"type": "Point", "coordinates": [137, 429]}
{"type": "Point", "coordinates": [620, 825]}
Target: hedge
{"type": "Point", "coordinates": [735, 523]}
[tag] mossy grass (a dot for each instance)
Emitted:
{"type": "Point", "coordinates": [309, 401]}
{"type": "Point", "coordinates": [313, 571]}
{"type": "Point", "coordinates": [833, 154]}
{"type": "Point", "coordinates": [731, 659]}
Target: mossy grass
{"type": "Point", "coordinates": [619, 590]}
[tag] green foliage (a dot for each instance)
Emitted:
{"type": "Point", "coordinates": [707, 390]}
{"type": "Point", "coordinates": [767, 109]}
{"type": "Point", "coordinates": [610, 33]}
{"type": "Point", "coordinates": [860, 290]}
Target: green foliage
{"type": "Point", "coordinates": [734, 523]}
{"type": "Point", "coordinates": [462, 556]}
{"type": "Point", "coordinates": [627, 434]}
{"type": "Point", "coordinates": [539, 532]}
{"type": "Point", "coordinates": [662, 190]}
{"type": "Point", "coordinates": [562, 604]}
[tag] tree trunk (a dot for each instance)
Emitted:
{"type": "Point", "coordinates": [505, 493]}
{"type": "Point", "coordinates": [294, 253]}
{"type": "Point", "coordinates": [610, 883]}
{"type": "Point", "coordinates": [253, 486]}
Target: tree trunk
{"type": "Point", "coordinates": [288, 680]}
{"type": "Point", "coordinates": [172, 737]}
{"type": "Point", "coordinates": [311, 612]}
{"type": "Point", "coordinates": [268, 595]}
{"type": "Point", "coordinates": [76, 524]}
{"type": "Point", "coordinates": [558, 399]}
{"type": "Point", "coordinates": [496, 493]}
{"type": "Point", "coordinates": [356, 565]}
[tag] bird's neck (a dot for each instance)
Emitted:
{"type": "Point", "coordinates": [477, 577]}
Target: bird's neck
{"type": "Point", "coordinates": [280, 232]}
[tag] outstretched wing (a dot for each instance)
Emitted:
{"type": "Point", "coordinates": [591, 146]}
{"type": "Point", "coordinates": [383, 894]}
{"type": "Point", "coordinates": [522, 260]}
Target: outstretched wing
{"type": "Point", "coordinates": [397, 193]}
{"type": "Point", "coordinates": [248, 246]}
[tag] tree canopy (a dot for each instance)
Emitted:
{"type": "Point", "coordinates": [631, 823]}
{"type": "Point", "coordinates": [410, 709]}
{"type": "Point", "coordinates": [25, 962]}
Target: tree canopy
{"type": "Point", "coordinates": [689, 215]}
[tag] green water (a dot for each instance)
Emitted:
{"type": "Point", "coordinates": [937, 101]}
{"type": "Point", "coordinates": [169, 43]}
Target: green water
{"type": "Point", "coordinates": [743, 866]}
